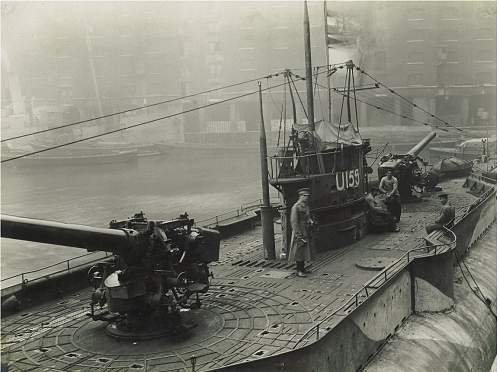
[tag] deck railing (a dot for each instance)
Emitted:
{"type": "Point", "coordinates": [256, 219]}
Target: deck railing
{"type": "Point", "coordinates": [371, 286]}
{"type": "Point", "coordinates": [93, 257]}
{"type": "Point", "coordinates": [421, 250]}
{"type": "Point", "coordinates": [295, 166]}
{"type": "Point", "coordinates": [59, 267]}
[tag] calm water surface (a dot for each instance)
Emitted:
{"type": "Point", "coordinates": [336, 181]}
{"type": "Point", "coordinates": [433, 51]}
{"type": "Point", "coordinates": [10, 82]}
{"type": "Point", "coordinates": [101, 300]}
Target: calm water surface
{"type": "Point", "coordinates": [161, 187]}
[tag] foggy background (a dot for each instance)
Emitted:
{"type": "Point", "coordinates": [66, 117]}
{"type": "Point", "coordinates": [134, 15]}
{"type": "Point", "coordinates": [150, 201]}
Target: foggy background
{"type": "Point", "coordinates": [68, 61]}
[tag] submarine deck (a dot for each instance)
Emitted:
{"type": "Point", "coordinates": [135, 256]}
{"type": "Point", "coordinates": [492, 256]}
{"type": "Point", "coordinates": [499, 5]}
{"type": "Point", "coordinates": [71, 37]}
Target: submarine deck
{"type": "Point", "coordinates": [254, 308]}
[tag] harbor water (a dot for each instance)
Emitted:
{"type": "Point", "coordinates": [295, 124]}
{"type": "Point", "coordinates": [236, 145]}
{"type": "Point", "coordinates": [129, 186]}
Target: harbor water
{"type": "Point", "coordinates": [162, 187]}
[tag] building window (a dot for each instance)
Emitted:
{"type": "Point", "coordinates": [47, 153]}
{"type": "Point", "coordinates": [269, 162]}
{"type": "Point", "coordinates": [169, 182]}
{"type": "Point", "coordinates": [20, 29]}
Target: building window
{"type": "Point", "coordinates": [125, 45]}
{"type": "Point", "coordinates": [100, 66]}
{"type": "Point", "coordinates": [485, 34]}
{"type": "Point", "coordinates": [126, 66]}
{"type": "Point", "coordinates": [450, 13]}
{"type": "Point", "coordinates": [247, 38]}
{"type": "Point", "coordinates": [416, 14]}
{"type": "Point", "coordinates": [484, 78]}
{"type": "Point", "coordinates": [248, 60]}
{"type": "Point", "coordinates": [280, 39]}
{"type": "Point", "coordinates": [448, 55]}
{"type": "Point", "coordinates": [415, 79]}
{"type": "Point", "coordinates": [416, 36]}
{"type": "Point", "coordinates": [63, 65]}
{"type": "Point", "coordinates": [445, 76]}
{"type": "Point", "coordinates": [155, 64]}
{"type": "Point", "coordinates": [449, 35]}
{"type": "Point", "coordinates": [415, 58]}
{"type": "Point", "coordinates": [485, 56]}
{"type": "Point", "coordinates": [154, 87]}
{"type": "Point", "coordinates": [153, 45]}
{"type": "Point", "coordinates": [214, 47]}
{"type": "Point", "coordinates": [380, 60]}
{"type": "Point", "coordinates": [214, 27]}
{"type": "Point", "coordinates": [248, 19]}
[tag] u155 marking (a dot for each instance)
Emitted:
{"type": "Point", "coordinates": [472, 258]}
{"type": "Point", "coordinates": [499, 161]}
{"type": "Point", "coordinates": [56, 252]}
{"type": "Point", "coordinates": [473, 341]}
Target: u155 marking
{"type": "Point", "coordinates": [347, 179]}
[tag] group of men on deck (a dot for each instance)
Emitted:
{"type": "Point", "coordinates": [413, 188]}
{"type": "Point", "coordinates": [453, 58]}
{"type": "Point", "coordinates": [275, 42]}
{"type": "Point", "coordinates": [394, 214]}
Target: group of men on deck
{"type": "Point", "coordinates": [384, 203]}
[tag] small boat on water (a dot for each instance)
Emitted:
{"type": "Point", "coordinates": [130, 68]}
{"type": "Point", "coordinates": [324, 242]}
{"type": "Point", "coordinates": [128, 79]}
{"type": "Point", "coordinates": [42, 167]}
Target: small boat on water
{"type": "Point", "coordinates": [93, 148]}
{"type": "Point", "coordinates": [69, 159]}
{"type": "Point", "coordinates": [205, 149]}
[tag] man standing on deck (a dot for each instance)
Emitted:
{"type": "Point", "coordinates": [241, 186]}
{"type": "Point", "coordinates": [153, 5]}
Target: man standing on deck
{"type": "Point", "coordinates": [446, 217]}
{"type": "Point", "coordinates": [389, 187]}
{"type": "Point", "coordinates": [301, 220]}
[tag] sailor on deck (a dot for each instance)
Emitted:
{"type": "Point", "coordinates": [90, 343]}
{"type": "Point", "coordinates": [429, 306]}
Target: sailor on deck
{"type": "Point", "coordinates": [389, 187]}
{"type": "Point", "coordinates": [446, 217]}
{"type": "Point", "coordinates": [300, 250]}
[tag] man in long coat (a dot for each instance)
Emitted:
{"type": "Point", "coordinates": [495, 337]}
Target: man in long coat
{"type": "Point", "coordinates": [300, 250]}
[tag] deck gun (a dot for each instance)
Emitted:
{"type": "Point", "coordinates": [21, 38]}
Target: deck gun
{"type": "Point", "coordinates": [157, 266]}
{"type": "Point", "coordinates": [406, 169]}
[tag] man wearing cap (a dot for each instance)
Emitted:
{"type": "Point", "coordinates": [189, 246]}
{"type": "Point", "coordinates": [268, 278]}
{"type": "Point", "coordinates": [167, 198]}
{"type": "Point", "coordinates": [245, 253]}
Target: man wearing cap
{"type": "Point", "coordinates": [389, 187]}
{"type": "Point", "coordinates": [446, 217]}
{"type": "Point", "coordinates": [300, 219]}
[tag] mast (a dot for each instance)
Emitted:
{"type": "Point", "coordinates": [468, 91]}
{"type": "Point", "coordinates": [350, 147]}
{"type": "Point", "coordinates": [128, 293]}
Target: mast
{"type": "Point", "coordinates": [349, 73]}
{"type": "Point", "coordinates": [327, 50]}
{"type": "Point", "coordinates": [309, 88]}
{"type": "Point", "coordinates": [266, 211]}
{"type": "Point", "coordinates": [92, 66]}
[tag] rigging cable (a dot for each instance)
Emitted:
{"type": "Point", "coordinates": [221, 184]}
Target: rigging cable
{"type": "Point", "coordinates": [355, 100]}
{"type": "Point", "coordinates": [138, 108]}
{"type": "Point", "coordinates": [407, 100]}
{"type": "Point", "coordinates": [341, 111]}
{"type": "Point", "coordinates": [300, 99]}
{"type": "Point", "coordinates": [283, 108]}
{"type": "Point", "coordinates": [136, 125]}
{"type": "Point", "coordinates": [393, 113]}
{"type": "Point", "coordinates": [485, 300]}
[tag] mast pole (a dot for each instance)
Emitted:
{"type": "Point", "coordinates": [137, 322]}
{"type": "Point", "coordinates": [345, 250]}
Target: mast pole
{"type": "Point", "coordinates": [92, 66]}
{"type": "Point", "coordinates": [309, 88]}
{"type": "Point", "coordinates": [266, 211]}
{"type": "Point", "coordinates": [327, 50]}
{"type": "Point", "coordinates": [349, 73]}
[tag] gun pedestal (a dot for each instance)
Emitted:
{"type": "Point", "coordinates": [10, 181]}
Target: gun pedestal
{"type": "Point", "coordinates": [158, 266]}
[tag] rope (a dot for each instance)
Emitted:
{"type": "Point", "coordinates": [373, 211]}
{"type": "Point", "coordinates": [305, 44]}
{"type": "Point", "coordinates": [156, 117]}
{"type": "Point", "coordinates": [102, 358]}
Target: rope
{"type": "Point", "coordinates": [392, 112]}
{"type": "Point", "coordinates": [137, 108]}
{"type": "Point", "coordinates": [407, 100]}
{"type": "Point", "coordinates": [283, 107]}
{"type": "Point", "coordinates": [355, 104]}
{"type": "Point", "coordinates": [481, 298]}
{"type": "Point", "coordinates": [300, 99]}
{"type": "Point", "coordinates": [136, 125]}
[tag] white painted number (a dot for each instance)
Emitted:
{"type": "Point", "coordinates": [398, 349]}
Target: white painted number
{"type": "Point", "coordinates": [347, 179]}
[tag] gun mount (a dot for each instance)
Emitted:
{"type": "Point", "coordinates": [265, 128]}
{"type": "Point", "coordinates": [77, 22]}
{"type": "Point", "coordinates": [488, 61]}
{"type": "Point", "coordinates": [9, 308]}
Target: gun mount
{"type": "Point", "coordinates": [406, 169]}
{"type": "Point", "coordinates": [157, 267]}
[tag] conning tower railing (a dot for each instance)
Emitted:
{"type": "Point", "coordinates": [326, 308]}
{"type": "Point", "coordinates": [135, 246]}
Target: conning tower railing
{"type": "Point", "coordinates": [289, 165]}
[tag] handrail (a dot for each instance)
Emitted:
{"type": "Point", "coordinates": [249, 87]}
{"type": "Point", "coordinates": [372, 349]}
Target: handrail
{"type": "Point", "coordinates": [304, 156]}
{"type": "Point", "coordinates": [234, 213]}
{"type": "Point", "coordinates": [67, 262]}
{"type": "Point", "coordinates": [354, 299]}
{"type": "Point", "coordinates": [215, 219]}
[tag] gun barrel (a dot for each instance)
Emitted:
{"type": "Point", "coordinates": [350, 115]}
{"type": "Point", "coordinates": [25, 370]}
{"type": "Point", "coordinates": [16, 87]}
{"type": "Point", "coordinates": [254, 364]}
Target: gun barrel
{"type": "Point", "coordinates": [71, 235]}
{"type": "Point", "coordinates": [415, 150]}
